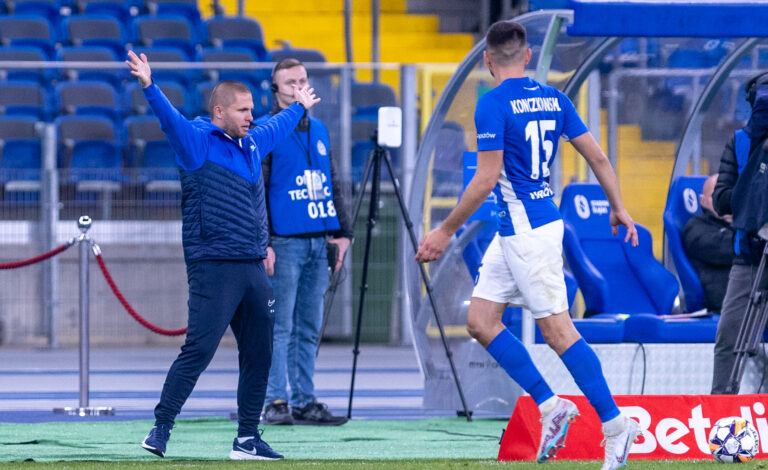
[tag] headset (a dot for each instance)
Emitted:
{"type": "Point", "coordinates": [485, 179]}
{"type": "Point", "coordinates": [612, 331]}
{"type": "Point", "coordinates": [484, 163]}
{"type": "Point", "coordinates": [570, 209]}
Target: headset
{"type": "Point", "coordinates": [304, 122]}
{"type": "Point", "coordinates": [751, 86]}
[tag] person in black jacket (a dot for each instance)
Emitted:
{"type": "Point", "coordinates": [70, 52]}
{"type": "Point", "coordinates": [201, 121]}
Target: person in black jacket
{"type": "Point", "coordinates": [708, 240]}
{"type": "Point", "coordinates": [743, 150]}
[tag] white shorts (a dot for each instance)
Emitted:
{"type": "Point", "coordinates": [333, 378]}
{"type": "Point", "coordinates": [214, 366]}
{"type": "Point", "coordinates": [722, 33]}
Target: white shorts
{"type": "Point", "coordinates": [526, 270]}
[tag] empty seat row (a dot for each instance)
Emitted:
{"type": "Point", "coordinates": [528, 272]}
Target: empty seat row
{"type": "Point", "coordinates": [105, 29]}
{"type": "Point", "coordinates": [27, 98]}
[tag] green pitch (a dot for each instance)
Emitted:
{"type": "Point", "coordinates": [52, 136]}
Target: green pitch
{"type": "Point", "coordinates": [440, 443]}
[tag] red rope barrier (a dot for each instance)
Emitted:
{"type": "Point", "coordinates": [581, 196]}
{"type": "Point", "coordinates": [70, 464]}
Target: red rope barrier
{"type": "Point", "coordinates": [35, 259]}
{"type": "Point", "coordinates": [127, 306]}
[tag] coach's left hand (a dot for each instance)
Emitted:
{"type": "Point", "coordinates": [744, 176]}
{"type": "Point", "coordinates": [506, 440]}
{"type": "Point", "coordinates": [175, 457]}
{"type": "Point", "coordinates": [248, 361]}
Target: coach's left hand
{"type": "Point", "coordinates": [269, 261]}
{"type": "Point", "coordinates": [433, 245]}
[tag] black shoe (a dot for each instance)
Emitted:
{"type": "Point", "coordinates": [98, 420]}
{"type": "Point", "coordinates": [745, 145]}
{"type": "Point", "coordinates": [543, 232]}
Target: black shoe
{"type": "Point", "coordinates": [317, 414]}
{"type": "Point", "coordinates": [277, 412]}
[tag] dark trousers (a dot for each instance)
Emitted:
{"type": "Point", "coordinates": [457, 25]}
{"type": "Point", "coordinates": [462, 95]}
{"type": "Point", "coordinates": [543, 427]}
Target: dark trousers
{"type": "Point", "coordinates": [221, 294]}
{"type": "Point", "coordinates": [732, 315]}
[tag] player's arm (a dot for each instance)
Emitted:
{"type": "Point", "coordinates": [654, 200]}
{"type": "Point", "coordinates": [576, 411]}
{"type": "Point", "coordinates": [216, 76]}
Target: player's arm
{"type": "Point", "coordinates": [586, 145]}
{"type": "Point", "coordinates": [489, 165]}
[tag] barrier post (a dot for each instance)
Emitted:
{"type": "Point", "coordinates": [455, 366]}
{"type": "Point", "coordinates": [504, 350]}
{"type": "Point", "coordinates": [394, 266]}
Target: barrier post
{"type": "Point", "coordinates": [84, 224]}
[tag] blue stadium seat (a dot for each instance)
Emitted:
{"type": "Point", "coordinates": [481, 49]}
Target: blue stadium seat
{"type": "Point", "coordinates": [188, 11]}
{"type": "Point", "coordinates": [170, 54]}
{"type": "Point", "coordinates": [24, 97]}
{"type": "Point", "coordinates": [682, 204]}
{"type": "Point", "coordinates": [20, 161]}
{"type": "Point", "coordinates": [79, 28]}
{"type": "Point", "coordinates": [228, 54]}
{"type": "Point", "coordinates": [49, 10]}
{"type": "Point", "coordinates": [96, 160]}
{"type": "Point", "coordinates": [139, 131]}
{"type": "Point", "coordinates": [135, 103]}
{"type": "Point", "coordinates": [36, 27]}
{"type": "Point", "coordinates": [78, 128]}
{"type": "Point", "coordinates": [92, 54]}
{"type": "Point", "coordinates": [88, 97]}
{"type": "Point", "coordinates": [223, 28]}
{"type": "Point", "coordinates": [25, 53]}
{"type": "Point", "coordinates": [150, 28]}
{"type": "Point", "coordinates": [367, 98]}
{"type": "Point", "coordinates": [123, 12]}
{"type": "Point", "coordinates": [18, 127]}
{"type": "Point", "coordinates": [616, 278]}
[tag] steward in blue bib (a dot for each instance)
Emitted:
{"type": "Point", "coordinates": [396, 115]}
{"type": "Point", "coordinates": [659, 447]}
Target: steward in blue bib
{"type": "Point", "coordinates": [300, 179]}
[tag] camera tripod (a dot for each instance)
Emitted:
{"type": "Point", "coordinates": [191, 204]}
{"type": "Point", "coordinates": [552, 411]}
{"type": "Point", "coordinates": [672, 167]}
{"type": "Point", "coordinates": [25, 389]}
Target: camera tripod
{"type": "Point", "coordinates": [374, 162]}
{"type": "Point", "coordinates": [752, 326]}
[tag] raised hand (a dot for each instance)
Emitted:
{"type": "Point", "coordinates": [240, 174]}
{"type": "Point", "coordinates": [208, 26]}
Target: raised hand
{"type": "Point", "coordinates": [140, 68]}
{"type": "Point", "coordinates": [306, 96]}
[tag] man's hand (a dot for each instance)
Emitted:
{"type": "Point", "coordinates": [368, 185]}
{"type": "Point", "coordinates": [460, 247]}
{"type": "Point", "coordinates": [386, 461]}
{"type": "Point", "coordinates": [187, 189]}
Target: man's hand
{"type": "Point", "coordinates": [342, 244]}
{"type": "Point", "coordinates": [140, 68]}
{"type": "Point", "coordinates": [432, 245]}
{"type": "Point", "coordinates": [622, 217]}
{"type": "Point", "coordinates": [269, 261]}
{"type": "Point", "coordinates": [306, 96]}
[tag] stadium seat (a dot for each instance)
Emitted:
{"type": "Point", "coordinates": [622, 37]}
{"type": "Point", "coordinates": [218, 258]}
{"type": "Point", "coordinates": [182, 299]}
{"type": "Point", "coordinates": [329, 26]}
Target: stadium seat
{"type": "Point", "coordinates": [158, 171]}
{"type": "Point", "coordinates": [76, 128]}
{"type": "Point", "coordinates": [24, 97]}
{"type": "Point", "coordinates": [25, 53]}
{"type": "Point", "coordinates": [96, 160]}
{"type": "Point", "coordinates": [139, 131]}
{"type": "Point", "coordinates": [223, 28]}
{"type": "Point", "coordinates": [20, 165]}
{"type": "Point", "coordinates": [616, 278]}
{"type": "Point", "coordinates": [187, 10]}
{"type": "Point", "coordinates": [204, 90]}
{"type": "Point", "coordinates": [18, 127]}
{"type": "Point", "coordinates": [170, 54]}
{"type": "Point", "coordinates": [367, 98]}
{"type": "Point", "coordinates": [124, 12]}
{"type": "Point", "coordinates": [176, 94]}
{"type": "Point", "coordinates": [80, 28]}
{"type": "Point", "coordinates": [229, 54]}
{"type": "Point", "coordinates": [88, 97]}
{"type": "Point", "coordinates": [682, 204]}
{"type": "Point", "coordinates": [92, 54]}
{"type": "Point", "coordinates": [37, 27]}
{"type": "Point", "coordinates": [49, 10]}
{"type": "Point", "coordinates": [148, 28]}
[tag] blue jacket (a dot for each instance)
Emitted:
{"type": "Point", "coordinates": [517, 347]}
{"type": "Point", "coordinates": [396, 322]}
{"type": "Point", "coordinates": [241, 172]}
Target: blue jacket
{"type": "Point", "coordinates": [224, 215]}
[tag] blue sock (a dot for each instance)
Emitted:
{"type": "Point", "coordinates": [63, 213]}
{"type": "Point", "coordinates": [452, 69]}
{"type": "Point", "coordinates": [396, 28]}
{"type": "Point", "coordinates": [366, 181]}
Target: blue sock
{"type": "Point", "coordinates": [510, 353]}
{"type": "Point", "coordinates": [584, 366]}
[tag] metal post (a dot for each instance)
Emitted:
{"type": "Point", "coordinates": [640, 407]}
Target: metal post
{"type": "Point", "coordinates": [527, 328]}
{"type": "Point", "coordinates": [84, 312]}
{"type": "Point", "coordinates": [593, 113]}
{"type": "Point", "coordinates": [408, 86]}
{"type": "Point", "coordinates": [375, 13]}
{"type": "Point", "coordinates": [240, 7]}
{"type": "Point", "coordinates": [84, 224]}
{"type": "Point", "coordinates": [345, 110]}
{"type": "Point", "coordinates": [49, 193]}
{"type": "Point", "coordinates": [348, 30]}
{"type": "Point", "coordinates": [613, 118]}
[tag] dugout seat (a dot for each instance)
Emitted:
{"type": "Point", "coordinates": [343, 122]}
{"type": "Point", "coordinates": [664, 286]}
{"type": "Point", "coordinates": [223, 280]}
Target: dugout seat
{"type": "Point", "coordinates": [616, 278]}
{"type": "Point", "coordinates": [682, 204]}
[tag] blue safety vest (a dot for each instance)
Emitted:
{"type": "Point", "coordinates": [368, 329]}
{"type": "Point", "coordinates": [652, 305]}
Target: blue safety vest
{"type": "Point", "coordinates": [741, 144]}
{"type": "Point", "coordinates": [300, 193]}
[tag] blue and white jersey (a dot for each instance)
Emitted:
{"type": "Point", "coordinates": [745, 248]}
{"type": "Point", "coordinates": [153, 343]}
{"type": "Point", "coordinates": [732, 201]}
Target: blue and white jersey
{"type": "Point", "coordinates": [525, 119]}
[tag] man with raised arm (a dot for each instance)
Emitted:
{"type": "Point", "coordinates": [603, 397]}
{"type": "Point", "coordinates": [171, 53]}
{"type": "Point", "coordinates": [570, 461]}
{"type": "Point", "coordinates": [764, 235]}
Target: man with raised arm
{"type": "Point", "coordinates": [224, 233]}
{"type": "Point", "coordinates": [519, 124]}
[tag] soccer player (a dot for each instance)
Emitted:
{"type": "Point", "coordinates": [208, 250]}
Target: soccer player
{"type": "Point", "coordinates": [519, 124]}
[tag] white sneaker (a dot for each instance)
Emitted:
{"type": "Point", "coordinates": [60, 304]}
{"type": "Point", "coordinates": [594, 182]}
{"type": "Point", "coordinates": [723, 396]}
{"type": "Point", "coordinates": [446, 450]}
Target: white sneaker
{"type": "Point", "coordinates": [554, 427]}
{"type": "Point", "coordinates": [617, 446]}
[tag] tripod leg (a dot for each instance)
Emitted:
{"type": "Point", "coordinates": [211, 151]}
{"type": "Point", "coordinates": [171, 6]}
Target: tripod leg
{"type": "Point", "coordinates": [331, 293]}
{"type": "Point", "coordinates": [422, 270]}
{"type": "Point", "coordinates": [751, 330]}
{"type": "Point", "coordinates": [373, 214]}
